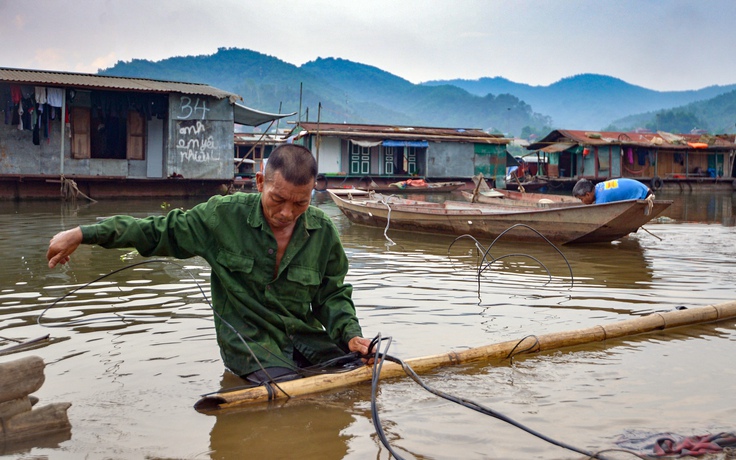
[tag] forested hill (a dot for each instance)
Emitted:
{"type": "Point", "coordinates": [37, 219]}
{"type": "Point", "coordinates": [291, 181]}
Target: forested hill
{"type": "Point", "coordinates": [347, 91]}
{"type": "Point", "coordinates": [587, 101]}
{"type": "Point", "coordinates": [344, 91]}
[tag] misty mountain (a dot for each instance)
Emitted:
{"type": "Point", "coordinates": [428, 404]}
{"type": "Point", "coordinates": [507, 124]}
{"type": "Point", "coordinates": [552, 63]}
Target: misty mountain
{"type": "Point", "coordinates": [587, 101]}
{"type": "Point", "coordinates": [342, 91]}
{"type": "Point", "coordinates": [337, 90]}
{"type": "Point", "coordinates": [716, 115]}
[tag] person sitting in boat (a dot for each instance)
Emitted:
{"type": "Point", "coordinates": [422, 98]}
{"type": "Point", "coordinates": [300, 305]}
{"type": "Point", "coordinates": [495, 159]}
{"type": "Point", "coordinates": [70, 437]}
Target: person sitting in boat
{"type": "Point", "coordinates": [278, 269]}
{"type": "Point", "coordinates": [610, 190]}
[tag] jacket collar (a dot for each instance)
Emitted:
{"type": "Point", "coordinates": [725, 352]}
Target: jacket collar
{"type": "Point", "coordinates": [308, 220]}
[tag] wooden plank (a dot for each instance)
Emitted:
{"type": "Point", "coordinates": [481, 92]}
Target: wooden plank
{"type": "Point", "coordinates": [21, 377]}
{"type": "Point", "coordinates": [645, 324]}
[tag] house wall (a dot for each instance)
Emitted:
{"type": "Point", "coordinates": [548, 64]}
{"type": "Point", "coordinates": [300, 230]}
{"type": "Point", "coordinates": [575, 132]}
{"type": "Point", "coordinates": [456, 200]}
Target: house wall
{"type": "Point", "coordinates": [201, 133]}
{"type": "Point", "coordinates": [447, 159]}
{"type": "Point", "coordinates": [18, 154]}
{"type": "Point", "coordinates": [330, 158]}
{"type": "Point", "coordinates": [680, 164]}
{"type": "Point", "coordinates": [490, 160]}
{"type": "Point", "coordinates": [105, 167]}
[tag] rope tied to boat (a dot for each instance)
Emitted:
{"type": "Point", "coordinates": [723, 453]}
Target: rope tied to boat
{"type": "Point", "coordinates": [650, 204]}
{"type": "Point", "coordinates": [384, 201]}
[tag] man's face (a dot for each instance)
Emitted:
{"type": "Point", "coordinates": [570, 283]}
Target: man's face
{"type": "Point", "coordinates": [588, 198]}
{"type": "Point", "coordinates": [282, 201]}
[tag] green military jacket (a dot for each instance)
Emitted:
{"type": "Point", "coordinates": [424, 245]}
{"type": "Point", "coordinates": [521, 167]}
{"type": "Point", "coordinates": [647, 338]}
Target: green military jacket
{"type": "Point", "coordinates": [306, 306]}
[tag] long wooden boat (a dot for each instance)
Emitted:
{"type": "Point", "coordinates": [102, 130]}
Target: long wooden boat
{"type": "Point", "coordinates": [535, 184]}
{"type": "Point", "coordinates": [654, 322]}
{"type": "Point", "coordinates": [514, 198]}
{"type": "Point", "coordinates": [430, 187]}
{"type": "Point", "coordinates": [576, 223]}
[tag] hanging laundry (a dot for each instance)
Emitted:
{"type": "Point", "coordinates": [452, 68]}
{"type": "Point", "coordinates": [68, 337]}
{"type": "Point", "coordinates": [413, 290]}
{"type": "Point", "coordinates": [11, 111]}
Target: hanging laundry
{"type": "Point", "coordinates": [9, 109]}
{"type": "Point", "coordinates": [16, 94]}
{"type": "Point", "coordinates": [20, 117]}
{"type": "Point", "coordinates": [641, 157]}
{"type": "Point", "coordinates": [28, 91]}
{"type": "Point", "coordinates": [40, 94]}
{"type": "Point", "coordinates": [54, 96]}
{"type": "Point", "coordinates": [36, 132]}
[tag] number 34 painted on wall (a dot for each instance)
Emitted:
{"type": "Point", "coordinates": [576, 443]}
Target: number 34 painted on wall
{"type": "Point", "coordinates": [187, 109]}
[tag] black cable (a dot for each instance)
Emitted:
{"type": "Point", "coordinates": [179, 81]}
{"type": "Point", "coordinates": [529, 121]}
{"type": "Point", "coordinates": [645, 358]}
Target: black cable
{"type": "Point", "coordinates": [487, 259]}
{"type": "Point", "coordinates": [240, 335]}
{"type": "Point", "coordinates": [377, 366]}
{"type": "Point", "coordinates": [380, 357]}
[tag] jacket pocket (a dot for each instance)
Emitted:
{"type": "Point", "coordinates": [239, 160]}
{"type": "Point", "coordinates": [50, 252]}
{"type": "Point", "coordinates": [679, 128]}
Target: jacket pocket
{"type": "Point", "coordinates": [235, 262]}
{"type": "Point", "coordinates": [302, 284]}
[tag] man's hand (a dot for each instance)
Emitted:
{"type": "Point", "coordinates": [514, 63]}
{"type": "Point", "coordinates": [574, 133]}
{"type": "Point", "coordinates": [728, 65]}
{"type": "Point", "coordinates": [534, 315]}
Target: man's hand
{"type": "Point", "coordinates": [62, 245]}
{"type": "Point", "coordinates": [360, 345]}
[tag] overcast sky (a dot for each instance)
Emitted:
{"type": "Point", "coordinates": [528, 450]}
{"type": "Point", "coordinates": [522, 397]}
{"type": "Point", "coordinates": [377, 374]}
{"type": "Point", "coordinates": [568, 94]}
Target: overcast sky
{"type": "Point", "coordinates": [657, 44]}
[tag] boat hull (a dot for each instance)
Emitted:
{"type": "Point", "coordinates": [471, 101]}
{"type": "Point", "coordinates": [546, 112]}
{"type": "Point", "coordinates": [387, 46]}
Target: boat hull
{"type": "Point", "coordinates": [563, 225]}
{"type": "Point", "coordinates": [438, 187]}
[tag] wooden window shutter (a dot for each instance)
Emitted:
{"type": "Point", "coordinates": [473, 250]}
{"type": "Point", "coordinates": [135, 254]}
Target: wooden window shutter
{"type": "Point", "coordinates": [80, 121]}
{"type": "Point", "coordinates": [136, 136]}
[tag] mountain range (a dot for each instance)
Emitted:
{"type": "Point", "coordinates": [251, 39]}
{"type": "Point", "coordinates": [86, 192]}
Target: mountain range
{"type": "Point", "coordinates": [342, 91]}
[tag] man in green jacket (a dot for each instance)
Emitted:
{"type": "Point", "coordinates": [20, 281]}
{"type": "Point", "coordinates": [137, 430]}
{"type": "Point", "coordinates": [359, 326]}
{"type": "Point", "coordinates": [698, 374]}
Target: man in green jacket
{"type": "Point", "coordinates": [278, 268]}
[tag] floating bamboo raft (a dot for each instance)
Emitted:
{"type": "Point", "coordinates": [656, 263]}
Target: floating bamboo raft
{"type": "Point", "coordinates": [530, 344]}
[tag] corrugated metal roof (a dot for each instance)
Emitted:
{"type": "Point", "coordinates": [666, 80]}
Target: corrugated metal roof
{"type": "Point", "coordinates": [656, 140]}
{"type": "Point", "coordinates": [243, 115]}
{"type": "Point", "coordinates": [403, 132]}
{"type": "Point", "coordinates": [558, 147]}
{"type": "Point", "coordinates": [101, 82]}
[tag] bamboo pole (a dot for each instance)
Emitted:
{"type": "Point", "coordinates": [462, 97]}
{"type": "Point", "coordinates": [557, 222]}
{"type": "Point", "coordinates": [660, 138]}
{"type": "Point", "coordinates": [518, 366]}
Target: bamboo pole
{"type": "Point", "coordinates": [529, 344]}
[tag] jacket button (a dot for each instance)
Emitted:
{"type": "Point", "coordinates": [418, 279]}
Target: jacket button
{"type": "Point", "coordinates": [270, 250]}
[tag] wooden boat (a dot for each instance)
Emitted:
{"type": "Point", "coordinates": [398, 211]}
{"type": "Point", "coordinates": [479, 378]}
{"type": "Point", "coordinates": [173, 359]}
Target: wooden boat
{"type": "Point", "coordinates": [575, 223]}
{"type": "Point", "coordinates": [407, 187]}
{"type": "Point", "coordinates": [514, 198]}
{"type": "Point", "coordinates": [654, 322]}
{"type": "Point", "coordinates": [530, 185]}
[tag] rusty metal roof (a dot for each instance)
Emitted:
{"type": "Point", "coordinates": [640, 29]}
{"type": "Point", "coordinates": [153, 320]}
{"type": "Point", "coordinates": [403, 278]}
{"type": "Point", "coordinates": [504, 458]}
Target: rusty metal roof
{"type": "Point", "coordinates": [362, 132]}
{"type": "Point", "coordinates": [101, 82]}
{"type": "Point", "coordinates": [659, 139]}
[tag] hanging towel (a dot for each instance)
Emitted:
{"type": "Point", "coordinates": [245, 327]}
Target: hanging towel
{"type": "Point", "coordinates": [54, 96]}
{"type": "Point", "coordinates": [40, 94]}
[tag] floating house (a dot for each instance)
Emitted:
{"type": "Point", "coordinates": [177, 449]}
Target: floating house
{"type": "Point", "coordinates": [351, 154]}
{"type": "Point", "coordinates": [660, 160]}
{"type": "Point", "coordinates": [251, 149]}
{"type": "Point", "coordinates": [114, 137]}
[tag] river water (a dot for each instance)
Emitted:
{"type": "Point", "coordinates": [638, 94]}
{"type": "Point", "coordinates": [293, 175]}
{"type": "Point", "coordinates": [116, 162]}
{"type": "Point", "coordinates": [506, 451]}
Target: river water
{"type": "Point", "coordinates": [134, 351]}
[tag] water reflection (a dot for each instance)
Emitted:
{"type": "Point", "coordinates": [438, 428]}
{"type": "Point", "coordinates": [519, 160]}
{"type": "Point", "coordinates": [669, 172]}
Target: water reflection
{"type": "Point", "coordinates": [702, 207]}
{"type": "Point", "coordinates": [280, 430]}
{"type": "Point", "coordinates": [133, 351]}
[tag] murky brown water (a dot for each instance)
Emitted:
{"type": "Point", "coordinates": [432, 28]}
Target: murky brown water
{"type": "Point", "coordinates": [133, 352]}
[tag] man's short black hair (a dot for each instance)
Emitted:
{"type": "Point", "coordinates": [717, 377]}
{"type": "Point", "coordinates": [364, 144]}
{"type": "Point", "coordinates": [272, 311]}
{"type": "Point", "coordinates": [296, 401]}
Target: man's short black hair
{"type": "Point", "coordinates": [582, 187]}
{"type": "Point", "coordinates": [295, 163]}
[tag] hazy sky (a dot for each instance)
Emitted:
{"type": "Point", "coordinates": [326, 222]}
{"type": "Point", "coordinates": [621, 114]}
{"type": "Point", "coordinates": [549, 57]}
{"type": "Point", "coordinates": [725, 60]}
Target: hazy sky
{"type": "Point", "coordinates": [657, 44]}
